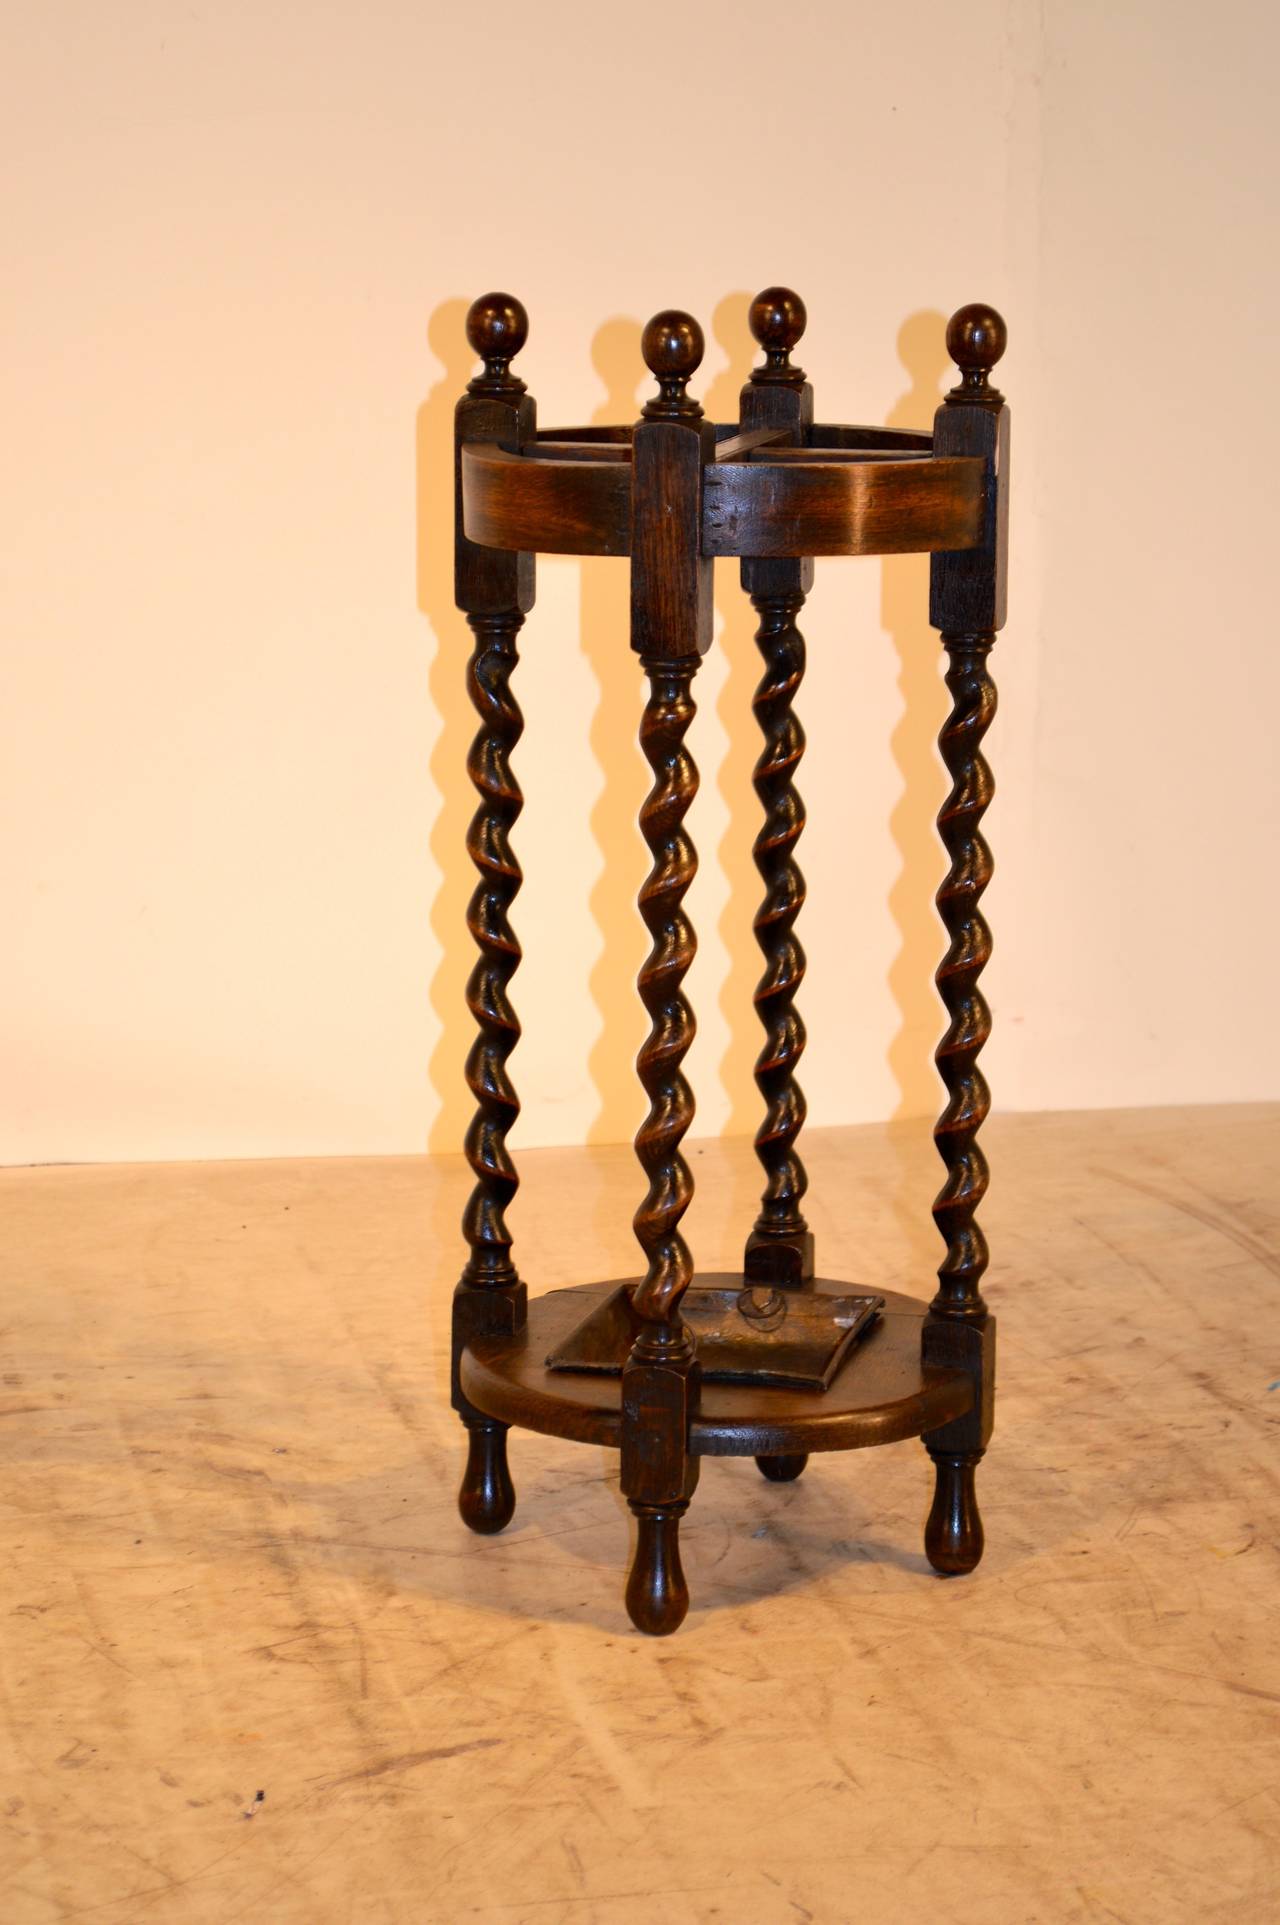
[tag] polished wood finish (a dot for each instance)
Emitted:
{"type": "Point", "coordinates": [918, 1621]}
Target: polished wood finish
{"type": "Point", "coordinates": [953, 1535]}
{"type": "Point", "coordinates": [842, 507]}
{"type": "Point", "coordinates": [968, 591]}
{"type": "Point", "coordinates": [657, 1593]}
{"type": "Point", "coordinates": [495, 588]}
{"type": "Point", "coordinates": [671, 620]}
{"type": "Point", "coordinates": [968, 951]}
{"type": "Point", "coordinates": [671, 583]}
{"type": "Point", "coordinates": [749, 441]}
{"type": "Point", "coordinates": [783, 1470]}
{"type": "Point", "coordinates": [780, 1248]}
{"type": "Point", "coordinates": [492, 577]}
{"type": "Point", "coordinates": [768, 504]}
{"type": "Point", "coordinates": [672, 492]}
{"type": "Point", "coordinates": [565, 505]}
{"type": "Point", "coordinates": [487, 1497]}
{"type": "Point", "coordinates": [885, 1393]}
{"type": "Point", "coordinates": [663, 728]}
{"type": "Point", "coordinates": [831, 437]}
{"type": "Point", "coordinates": [562, 449]}
{"type": "Point", "coordinates": [778, 397]}
{"type": "Point", "coordinates": [967, 602]}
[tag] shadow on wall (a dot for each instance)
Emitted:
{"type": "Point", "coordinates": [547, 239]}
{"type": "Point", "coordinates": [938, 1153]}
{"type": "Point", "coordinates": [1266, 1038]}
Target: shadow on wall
{"type": "Point", "coordinates": [743, 670]}
{"type": "Point", "coordinates": [625, 778]}
{"type": "Point", "coordinates": [446, 335]}
{"type": "Point", "coordinates": [604, 615]}
{"type": "Point", "coordinates": [904, 611]}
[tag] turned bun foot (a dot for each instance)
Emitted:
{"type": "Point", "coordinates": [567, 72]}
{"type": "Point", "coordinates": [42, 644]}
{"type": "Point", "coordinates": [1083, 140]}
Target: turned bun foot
{"type": "Point", "coordinates": [953, 1537]}
{"type": "Point", "coordinates": [487, 1499]}
{"type": "Point", "coordinates": [783, 1470]}
{"type": "Point", "coordinates": [657, 1595]}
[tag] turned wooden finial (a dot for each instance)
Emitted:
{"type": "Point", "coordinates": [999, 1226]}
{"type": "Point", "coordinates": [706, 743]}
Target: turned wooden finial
{"type": "Point", "coordinates": [673, 346]}
{"type": "Point", "coordinates": [777, 319]}
{"type": "Point", "coordinates": [976, 338]}
{"type": "Point", "coordinates": [497, 328]}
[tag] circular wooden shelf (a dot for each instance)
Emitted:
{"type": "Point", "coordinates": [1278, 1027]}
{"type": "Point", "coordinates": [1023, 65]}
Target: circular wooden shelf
{"type": "Point", "coordinates": [882, 1393]}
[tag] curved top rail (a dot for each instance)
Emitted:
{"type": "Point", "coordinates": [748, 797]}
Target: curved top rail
{"type": "Point", "coordinates": [772, 503]}
{"type": "Point", "coordinates": [545, 506]}
{"type": "Point", "coordinates": [818, 507]}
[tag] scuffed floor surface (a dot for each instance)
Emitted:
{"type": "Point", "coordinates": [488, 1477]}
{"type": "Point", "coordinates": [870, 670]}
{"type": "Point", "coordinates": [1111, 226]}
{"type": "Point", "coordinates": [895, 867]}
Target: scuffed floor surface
{"type": "Point", "coordinates": [255, 1669]}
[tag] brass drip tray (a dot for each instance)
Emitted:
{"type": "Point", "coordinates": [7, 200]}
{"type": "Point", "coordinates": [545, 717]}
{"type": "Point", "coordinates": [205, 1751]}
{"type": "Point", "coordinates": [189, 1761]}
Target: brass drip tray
{"type": "Point", "coordinates": [792, 1339]}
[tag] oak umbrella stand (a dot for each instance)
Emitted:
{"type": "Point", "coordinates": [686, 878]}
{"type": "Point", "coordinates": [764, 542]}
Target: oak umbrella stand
{"type": "Point", "coordinates": [623, 1364]}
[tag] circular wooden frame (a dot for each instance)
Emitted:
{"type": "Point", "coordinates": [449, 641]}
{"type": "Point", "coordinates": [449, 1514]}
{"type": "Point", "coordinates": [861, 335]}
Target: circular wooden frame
{"type": "Point", "coordinates": [569, 493]}
{"type": "Point", "coordinates": [882, 1393]}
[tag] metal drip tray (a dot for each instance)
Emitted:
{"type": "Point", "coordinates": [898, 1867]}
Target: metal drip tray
{"type": "Point", "coordinates": [793, 1339]}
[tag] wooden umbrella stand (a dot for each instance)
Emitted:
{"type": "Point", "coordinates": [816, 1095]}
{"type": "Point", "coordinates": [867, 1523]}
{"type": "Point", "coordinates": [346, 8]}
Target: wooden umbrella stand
{"type": "Point", "coordinates": [774, 1361]}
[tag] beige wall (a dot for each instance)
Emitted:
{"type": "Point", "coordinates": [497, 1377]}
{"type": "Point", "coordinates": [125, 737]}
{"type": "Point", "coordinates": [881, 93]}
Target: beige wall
{"type": "Point", "coordinates": [242, 244]}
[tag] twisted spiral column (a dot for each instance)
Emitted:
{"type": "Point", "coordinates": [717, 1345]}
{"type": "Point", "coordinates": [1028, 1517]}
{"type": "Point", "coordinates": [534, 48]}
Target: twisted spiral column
{"type": "Point", "coordinates": [667, 716]}
{"type": "Point", "coordinates": [498, 1029]}
{"type": "Point", "coordinates": [783, 649]}
{"type": "Point", "coordinates": [973, 699]}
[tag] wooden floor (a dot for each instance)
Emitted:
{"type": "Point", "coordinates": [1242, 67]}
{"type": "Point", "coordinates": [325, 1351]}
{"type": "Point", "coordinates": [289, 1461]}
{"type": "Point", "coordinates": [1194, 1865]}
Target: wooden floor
{"type": "Point", "coordinates": [253, 1668]}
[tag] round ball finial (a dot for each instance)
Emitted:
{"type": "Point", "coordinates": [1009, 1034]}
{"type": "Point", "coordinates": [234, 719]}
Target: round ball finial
{"type": "Point", "coordinates": [497, 329]}
{"type": "Point", "coordinates": [976, 338]}
{"type": "Point", "coordinates": [673, 346]}
{"type": "Point", "coordinates": [777, 319]}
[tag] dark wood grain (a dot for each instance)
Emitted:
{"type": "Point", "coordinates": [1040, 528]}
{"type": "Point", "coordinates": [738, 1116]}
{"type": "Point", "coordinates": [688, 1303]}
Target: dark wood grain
{"type": "Point", "coordinates": [671, 618]}
{"type": "Point", "coordinates": [493, 577]}
{"type": "Point", "coordinates": [780, 1248]}
{"type": "Point", "coordinates": [953, 1534]}
{"type": "Point", "coordinates": [560, 507]}
{"type": "Point", "coordinates": [748, 441]}
{"type": "Point", "coordinates": [885, 1392]}
{"type": "Point", "coordinates": [620, 431]}
{"type": "Point", "coordinates": [489, 920]}
{"type": "Point", "coordinates": [672, 492]}
{"type": "Point", "coordinates": [778, 397]}
{"type": "Point", "coordinates": [494, 587]}
{"type": "Point", "coordinates": [671, 581]}
{"type": "Point", "coordinates": [967, 602]}
{"type": "Point", "coordinates": [973, 704]}
{"type": "Point", "coordinates": [663, 728]}
{"type": "Point", "coordinates": [968, 591]}
{"type": "Point", "coordinates": [826, 435]}
{"type": "Point", "coordinates": [793, 504]}
{"type": "Point", "coordinates": [842, 507]}
{"type": "Point", "coordinates": [487, 1498]}
{"type": "Point", "coordinates": [562, 449]}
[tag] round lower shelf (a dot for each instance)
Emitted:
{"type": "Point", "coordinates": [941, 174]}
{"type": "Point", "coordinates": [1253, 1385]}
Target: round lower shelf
{"type": "Point", "coordinates": [882, 1393]}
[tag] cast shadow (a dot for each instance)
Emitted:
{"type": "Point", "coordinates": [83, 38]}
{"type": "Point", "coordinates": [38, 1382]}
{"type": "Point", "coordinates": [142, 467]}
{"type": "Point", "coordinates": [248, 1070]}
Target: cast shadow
{"type": "Point", "coordinates": [605, 641]}
{"type": "Point", "coordinates": [904, 614]}
{"type": "Point", "coordinates": [605, 620]}
{"type": "Point", "coordinates": [735, 640]}
{"type": "Point", "coordinates": [446, 335]}
{"type": "Point", "coordinates": [564, 1557]}
{"type": "Point", "coordinates": [605, 615]}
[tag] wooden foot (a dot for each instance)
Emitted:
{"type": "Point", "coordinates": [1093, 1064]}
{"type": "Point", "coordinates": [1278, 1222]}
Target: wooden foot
{"type": "Point", "coordinates": [487, 1499]}
{"type": "Point", "coordinates": [657, 1595]}
{"type": "Point", "coordinates": [783, 1470]}
{"type": "Point", "coordinates": [953, 1537]}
